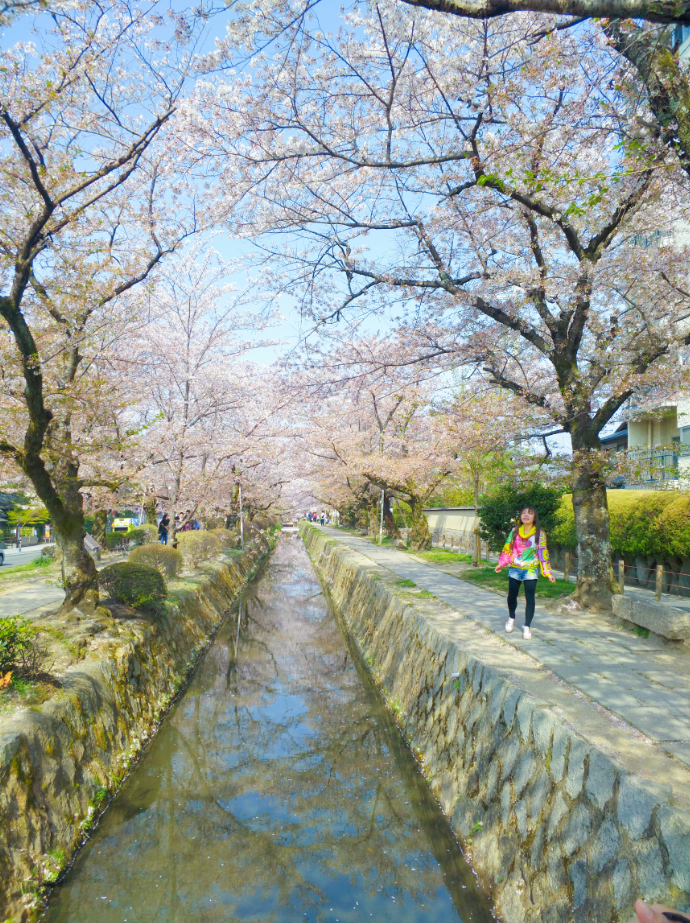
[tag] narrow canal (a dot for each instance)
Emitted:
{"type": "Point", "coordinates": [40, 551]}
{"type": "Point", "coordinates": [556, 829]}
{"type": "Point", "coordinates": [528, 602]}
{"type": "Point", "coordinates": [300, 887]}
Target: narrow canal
{"type": "Point", "coordinates": [278, 789]}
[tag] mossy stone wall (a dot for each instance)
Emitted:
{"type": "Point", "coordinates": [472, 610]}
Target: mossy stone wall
{"type": "Point", "coordinates": [58, 761]}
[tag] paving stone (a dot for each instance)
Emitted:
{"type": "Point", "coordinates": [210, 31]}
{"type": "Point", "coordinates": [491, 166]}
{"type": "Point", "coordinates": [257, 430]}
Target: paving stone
{"type": "Point", "coordinates": [539, 792]}
{"type": "Point", "coordinates": [520, 810]}
{"type": "Point", "coordinates": [651, 881]}
{"type": "Point", "coordinates": [600, 778]}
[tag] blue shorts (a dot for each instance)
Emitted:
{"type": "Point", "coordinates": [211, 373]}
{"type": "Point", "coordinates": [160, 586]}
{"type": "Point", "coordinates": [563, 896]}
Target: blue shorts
{"type": "Point", "coordinates": [522, 574]}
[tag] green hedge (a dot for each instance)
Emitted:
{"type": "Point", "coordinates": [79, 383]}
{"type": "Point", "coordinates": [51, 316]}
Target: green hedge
{"type": "Point", "coordinates": [645, 523]}
{"type": "Point", "coordinates": [500, 508]}
{"type": "Point", "coordinates": [133, 584]}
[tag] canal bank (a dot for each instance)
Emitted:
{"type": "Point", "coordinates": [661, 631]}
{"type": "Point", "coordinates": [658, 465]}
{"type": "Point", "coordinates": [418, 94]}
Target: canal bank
{"type": "Point", "coordinates": [59, 760]}
{"type": "Point", "coordinates": [567, 813]}
{"type": "Point", "coordinates": [277, 790]}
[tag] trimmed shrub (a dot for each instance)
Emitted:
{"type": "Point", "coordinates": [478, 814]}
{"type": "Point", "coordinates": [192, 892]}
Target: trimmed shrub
{"type": "Point", "coordinates": [167, 561]}
{"type": "Point", "coordinates": [16, 640]}
{"type": "Point", "coordinates": [197, 547]}
{"type": "Point", "coordinates": [137, 536]}
{"type": "Point", "coordinates": [150, 533]}
{"type": "Point", "coordinates": [228, 539]}
{"type": "Point", "coordinates": [500, 508]}
{"type": "Point", "coordinates": [114, 540]}
{"type": "Point", "coordinates": [643, 523]}
{"type": "Point", "coordinates": [133, 584]}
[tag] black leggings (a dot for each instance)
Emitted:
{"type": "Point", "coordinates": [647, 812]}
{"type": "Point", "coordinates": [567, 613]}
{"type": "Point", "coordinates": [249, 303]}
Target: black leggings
{"type": "Point", "coordinates": [513, 590]}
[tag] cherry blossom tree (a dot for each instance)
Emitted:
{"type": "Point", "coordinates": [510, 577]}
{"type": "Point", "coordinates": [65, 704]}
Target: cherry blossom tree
{"type": "Point", "coordinates": [206, 410]}
{"type": "Point", "coordinates": [490, 193]}
{"type": "Point", "coordinates": [92, 201]}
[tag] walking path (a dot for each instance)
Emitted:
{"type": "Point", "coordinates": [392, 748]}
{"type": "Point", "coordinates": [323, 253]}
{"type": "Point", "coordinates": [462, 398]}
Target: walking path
{"type": "Point", "coordinates": [646, 682]}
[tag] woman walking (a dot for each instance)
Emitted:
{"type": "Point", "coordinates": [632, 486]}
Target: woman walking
{"type": "Point", "coordinates": [524, 553]}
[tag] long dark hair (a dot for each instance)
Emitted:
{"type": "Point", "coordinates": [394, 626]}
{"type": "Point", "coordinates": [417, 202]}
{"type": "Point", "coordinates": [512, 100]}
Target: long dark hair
{"type": "Point", "coordinates": [518, 521]}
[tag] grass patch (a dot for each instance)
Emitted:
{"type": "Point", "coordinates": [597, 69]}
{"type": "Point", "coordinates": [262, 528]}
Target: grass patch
{"type": "Point", "coordinates": [38, 564]}
{"type": "Point", "coordinates": [439, 556]}
{"type": "Point", "coordinates": [487, 577]}
{"type": "Point", "coordinates": [405, 582]}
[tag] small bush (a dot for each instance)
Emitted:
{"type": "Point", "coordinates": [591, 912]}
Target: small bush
{"type": "Point", "coordinates": [137, 536]}
{"type": "Point", "coordinates": [48, 552]}
{"type": "Point", "coordinates": [197, 547]}
{"type": "Point", "coordinates": [133, 584]}
{"type": "Point", "coordinates": [500, 509]}
{"type": "Point", "coordinates": [150, 533]}
{"type": "Point", "coordinates": [167, 561]}
{"type": "Point", "coordinates": [113, 540]}
{"type": "Point", "coordinates": [16, 639]}
{"type": "Point", "coordinates": [227, 538]}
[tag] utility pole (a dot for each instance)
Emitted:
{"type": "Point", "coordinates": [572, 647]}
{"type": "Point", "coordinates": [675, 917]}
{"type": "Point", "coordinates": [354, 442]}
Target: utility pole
{"type": "Point", "coordinates": [241, 520]}
{"type": "Point", "coordinates": [381, 519]}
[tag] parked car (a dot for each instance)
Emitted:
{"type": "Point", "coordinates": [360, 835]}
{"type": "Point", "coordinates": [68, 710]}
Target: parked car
{"type": "Point", "coordinates": [2, 553]}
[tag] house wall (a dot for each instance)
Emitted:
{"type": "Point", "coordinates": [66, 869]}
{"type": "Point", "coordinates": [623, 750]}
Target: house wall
{"type": "Point", "coordinates": [664, 430]}
{"type": "Point", "coordinates": [451, 522]}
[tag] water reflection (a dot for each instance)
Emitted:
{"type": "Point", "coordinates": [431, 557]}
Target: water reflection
{"type": "Point", "coordinates": [277, 790]}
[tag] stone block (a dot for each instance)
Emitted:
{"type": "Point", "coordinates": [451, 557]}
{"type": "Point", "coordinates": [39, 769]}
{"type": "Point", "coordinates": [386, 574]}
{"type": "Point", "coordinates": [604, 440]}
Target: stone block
{"type": "Point", "coordinates": [506, 802]}
{"type": "Point", "coordinates": [542, 728]}
{"type": "Point", "coordinates": [523, 773]}
{"type": "Point", "coordinates": [578, 876]}
{"type": "Point", "coordinates": [651, 881]}
{"type": "Point", "coordinates": [524, 713]}
{"type": "Point", "coordinates": [576, 766]}
{"type": "Point", "coordinates": [510, 704]}
{"type": "Point", "coordinates": [538, 794]}
{"type": "Point", "coordinates": [559, 749]}
{"type": "Point", "coordinates": [600, 778]}
{"type": "Point", "coordinates": [520, 811]}
{"type": "Point", "coordinates": [605, 844]}
{"type": "Point", "coordinates": [621, 881]}
{"type": "Point", "coordinates": [660, 618]}
{"type": "Point", "coordinates": [675, 833]}
{"type": "Point", "coordinates": [508, 753]}
{"type": "Point", "coordinates": [636, 802]}
{"type": "Point", "coordinates": [498, 694]}
{"type": "Point", "coordinates": [577, 830]}
{"type": "Point", "coordinates": [559, 809]}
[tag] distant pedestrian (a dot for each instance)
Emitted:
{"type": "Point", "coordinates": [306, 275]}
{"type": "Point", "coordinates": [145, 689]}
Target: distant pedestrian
{"type": "Point", "coordinates": [187, 527]}
{"type": "Point", "coordinates": [323, 517]}
{"type": "Point", "coordinates": [163, 527]}
{"type": "Point", "coordinates": [524, 553]}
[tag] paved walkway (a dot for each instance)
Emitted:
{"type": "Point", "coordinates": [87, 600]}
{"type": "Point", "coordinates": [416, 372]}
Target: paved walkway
{"type": "Point", "coordinates": [646, 682]}
{"type": "Point", "coordinates": [23, 598]}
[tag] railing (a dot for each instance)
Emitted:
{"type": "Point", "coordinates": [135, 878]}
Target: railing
{"type": "Point", "coordinates": [660, 465]}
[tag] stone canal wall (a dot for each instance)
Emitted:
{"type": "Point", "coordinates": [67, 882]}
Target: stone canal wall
{"type": "Point", "coordinates": [557, 828]}
{"type": "Point", "coordinates": [58, 761]}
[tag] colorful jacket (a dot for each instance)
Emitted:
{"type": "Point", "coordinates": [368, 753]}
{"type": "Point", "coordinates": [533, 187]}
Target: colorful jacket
{"type": "Point", "coordinates": [522, 552]}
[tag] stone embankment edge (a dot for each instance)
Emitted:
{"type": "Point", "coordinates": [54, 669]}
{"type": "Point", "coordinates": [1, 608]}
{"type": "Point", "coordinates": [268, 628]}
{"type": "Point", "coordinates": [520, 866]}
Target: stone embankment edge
{"type": "Point", "coordinates": [556, 829]}
{"type": "Point", "coordinates": [59, 762]}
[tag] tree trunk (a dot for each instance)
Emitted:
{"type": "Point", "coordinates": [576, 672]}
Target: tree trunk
{"type": "Point", "coordinates": [79, 575]}
{"type": "Point", "coordinates": [388, 519]}
{"type": "Point", "coordinates": [100, 521]}
{"type": "Point", "coordinates": [420, 537]}
{"type": "Point", "coordinates": [595, 578]}
{"type": "Point", "coordinates": [150, 511]}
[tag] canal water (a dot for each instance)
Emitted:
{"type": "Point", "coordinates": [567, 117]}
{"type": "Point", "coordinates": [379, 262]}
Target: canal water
{"type": "Point", "coordinates": [278, 790]}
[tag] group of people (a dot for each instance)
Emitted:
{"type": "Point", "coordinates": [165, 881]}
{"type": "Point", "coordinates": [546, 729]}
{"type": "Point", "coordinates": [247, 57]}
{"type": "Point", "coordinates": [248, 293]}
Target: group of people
{"type": "Point", "coordinates": [183, 523]}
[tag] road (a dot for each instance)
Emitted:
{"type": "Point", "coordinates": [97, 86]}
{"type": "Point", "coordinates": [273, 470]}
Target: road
{"type": "Point", "coordinates": [25, 556]}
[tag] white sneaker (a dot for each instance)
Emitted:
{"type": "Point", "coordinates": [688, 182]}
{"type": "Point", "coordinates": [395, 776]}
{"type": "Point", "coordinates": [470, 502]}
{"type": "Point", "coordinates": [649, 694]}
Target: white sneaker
{"type": "Point", "coordinates": [526, 633]}
{"type": "Point", "coordinates": [510, 624]}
